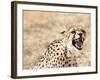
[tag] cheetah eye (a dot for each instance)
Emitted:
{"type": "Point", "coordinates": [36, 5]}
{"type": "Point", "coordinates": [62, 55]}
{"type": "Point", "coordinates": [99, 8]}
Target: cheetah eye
{"type": "Point", "coordinates": [83, 31]}
{"type": "Point", "coordinates": [73, 32]}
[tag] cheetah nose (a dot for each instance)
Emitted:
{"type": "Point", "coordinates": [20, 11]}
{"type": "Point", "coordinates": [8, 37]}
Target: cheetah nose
{"type": "Point", "coordinates": [80, 34]}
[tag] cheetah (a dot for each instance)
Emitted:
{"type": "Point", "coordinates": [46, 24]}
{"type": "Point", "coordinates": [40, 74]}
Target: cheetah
{"type": "Point", "coordinates": [63, 52]}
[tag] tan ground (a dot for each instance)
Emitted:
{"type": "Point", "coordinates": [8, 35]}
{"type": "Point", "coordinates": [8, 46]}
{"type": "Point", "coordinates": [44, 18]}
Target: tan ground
{"type": "Point", "coordinates": [41, 28]}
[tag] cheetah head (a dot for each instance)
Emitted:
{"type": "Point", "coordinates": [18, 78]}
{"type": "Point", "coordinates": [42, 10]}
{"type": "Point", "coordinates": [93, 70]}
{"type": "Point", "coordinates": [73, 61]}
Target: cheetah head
{"type": "Point", "coordinates": [76, 37]}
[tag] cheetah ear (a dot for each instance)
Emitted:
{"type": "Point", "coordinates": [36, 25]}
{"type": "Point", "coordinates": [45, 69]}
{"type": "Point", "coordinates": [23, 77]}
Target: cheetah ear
{"type": "Point", "coordinates": [65, 34]}
{"type": "Point", "coordinates": [62, 32]}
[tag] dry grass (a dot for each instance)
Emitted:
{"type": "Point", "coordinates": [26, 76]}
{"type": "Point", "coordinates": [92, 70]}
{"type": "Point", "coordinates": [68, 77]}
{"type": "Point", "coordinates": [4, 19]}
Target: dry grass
{"type": "Point", "coordinates": [41, 28]}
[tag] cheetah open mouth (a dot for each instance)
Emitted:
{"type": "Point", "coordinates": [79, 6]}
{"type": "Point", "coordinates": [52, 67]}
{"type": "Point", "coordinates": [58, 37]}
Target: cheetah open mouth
{"type": "Point", "coordinates": [78, 43]}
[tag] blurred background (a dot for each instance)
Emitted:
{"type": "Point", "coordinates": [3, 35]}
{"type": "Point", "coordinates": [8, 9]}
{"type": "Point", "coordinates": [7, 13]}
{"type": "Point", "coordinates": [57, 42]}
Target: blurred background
{"type": "Point", "coordinates": [41, 28]}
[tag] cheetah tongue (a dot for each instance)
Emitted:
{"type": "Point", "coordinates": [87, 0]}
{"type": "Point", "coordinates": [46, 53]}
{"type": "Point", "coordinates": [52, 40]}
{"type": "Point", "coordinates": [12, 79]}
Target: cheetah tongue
{"type": "Point", "coordinates": [79, 44]}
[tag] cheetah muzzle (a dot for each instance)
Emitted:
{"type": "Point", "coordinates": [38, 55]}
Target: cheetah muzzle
{"type": "Point", "coordinates": [78, 43]}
